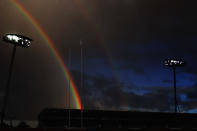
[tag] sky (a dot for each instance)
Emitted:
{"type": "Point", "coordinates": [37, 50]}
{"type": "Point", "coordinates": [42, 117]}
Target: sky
{"type": "Point", "coordinates": [125, 43]}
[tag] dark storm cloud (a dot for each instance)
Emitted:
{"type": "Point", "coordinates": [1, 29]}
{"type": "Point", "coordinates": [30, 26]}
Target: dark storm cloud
{"type": "Point", "coordinates": [190, 92]}
{"type": "Point", "coordinates": [98, 91]}
{"type": "Point", "coordinates": [104, 93]}
{"type": "Point", "coordinates": [149, 101]}
{"type": "Point", "coordinates": [167, 81]}
{"type": "Point", "coordinates": [110, 97]}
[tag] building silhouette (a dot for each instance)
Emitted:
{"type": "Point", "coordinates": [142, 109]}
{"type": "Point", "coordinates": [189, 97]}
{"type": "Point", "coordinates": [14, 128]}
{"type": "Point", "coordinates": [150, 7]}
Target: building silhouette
{"type": "Point", "coordinates": [101, 119]}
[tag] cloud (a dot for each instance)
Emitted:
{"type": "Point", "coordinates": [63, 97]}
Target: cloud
{"type": "Point", "coordinates": [103, 93]}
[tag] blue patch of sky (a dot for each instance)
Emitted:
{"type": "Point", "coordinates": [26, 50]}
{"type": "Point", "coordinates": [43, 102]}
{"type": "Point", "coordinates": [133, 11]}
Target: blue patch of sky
{"type": "Point", "coordinates": [192, 111]}
{"type": "Point", "coordinates": [186, 79]}
{"type": "Point", "coordinates": [151, 78]}
{"type": "Point", "coordinates": [183, 97]}
{"type": "Point", "coordinates": [140, 92]}
{"type": "Point", "coordinates": [128, 88]}
{"type": "Point", "coordinates": [155, 74]}
{"type": "Point", "coordinates": [156, 78]}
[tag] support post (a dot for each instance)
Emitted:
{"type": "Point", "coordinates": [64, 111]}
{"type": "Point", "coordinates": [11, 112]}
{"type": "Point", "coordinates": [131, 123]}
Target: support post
{"type": "Point", "coordinates": [82, 93]}
{"type": "Point", "coordinates": [69, 90]}
{"type": "Point", "coordinates": [5, 100]}
{"type": "Point", "coordinates": [175, 98]}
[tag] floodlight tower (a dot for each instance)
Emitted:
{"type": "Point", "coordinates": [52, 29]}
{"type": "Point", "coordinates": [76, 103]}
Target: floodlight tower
{"type": "Point", "coordinates": [173, 63]}
{"type": "Point", "coordinates": [16, 40]}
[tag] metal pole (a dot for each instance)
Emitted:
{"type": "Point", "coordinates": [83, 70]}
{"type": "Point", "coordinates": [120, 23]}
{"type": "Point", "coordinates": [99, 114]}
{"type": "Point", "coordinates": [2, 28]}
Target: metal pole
{"type": "Point", "coordinates": [69, 89]}
{"type": "Point", "coordinates": [81, 44]}
{"type": "Point", "coordinates": [175, 99]}
{"type": "Point", "coordinates": [8, 86]}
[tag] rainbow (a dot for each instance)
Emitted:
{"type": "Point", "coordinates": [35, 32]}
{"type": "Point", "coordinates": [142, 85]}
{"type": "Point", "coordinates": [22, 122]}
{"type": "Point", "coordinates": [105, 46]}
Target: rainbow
{"type": "Point", "coordinates": [100, 38]}
{"type": "Point", "coordinates": [53, 49]}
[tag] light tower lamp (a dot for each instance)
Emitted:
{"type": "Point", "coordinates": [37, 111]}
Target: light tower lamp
{"type": "Point", "coordinates": [16, 40]}
{"type": "Point", "coordinates": [173, 63]}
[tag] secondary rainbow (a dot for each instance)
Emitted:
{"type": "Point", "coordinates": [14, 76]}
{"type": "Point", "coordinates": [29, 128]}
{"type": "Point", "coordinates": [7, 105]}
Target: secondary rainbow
{"type": "Point", "coordinates": [101, 39]}
{"type": "Point", "coordinates": [53, 49]}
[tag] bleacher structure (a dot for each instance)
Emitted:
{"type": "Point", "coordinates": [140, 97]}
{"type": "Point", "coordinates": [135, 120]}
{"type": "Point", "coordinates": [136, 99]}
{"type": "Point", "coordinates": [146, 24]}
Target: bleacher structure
{"type": "Point", "coordinates": [94, 119]}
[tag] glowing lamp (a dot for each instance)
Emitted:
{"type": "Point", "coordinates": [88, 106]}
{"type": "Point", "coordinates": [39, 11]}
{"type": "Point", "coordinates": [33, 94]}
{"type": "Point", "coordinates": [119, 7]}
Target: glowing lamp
{"type": "Point", "coordinates": [18, 40]}
{"type": "Point", "coordinates": [174, 63]}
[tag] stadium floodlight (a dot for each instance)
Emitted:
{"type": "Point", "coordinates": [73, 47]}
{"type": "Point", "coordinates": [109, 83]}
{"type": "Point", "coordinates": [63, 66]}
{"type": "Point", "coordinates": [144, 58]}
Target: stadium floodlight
{"type": "Point", "coordinates": [174, 63]}
{"type": "Point", "coordinates": [18, 40]}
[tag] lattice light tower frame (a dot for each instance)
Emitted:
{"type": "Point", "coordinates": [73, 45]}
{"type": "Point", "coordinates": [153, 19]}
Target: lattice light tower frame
{"type": "Point", "coordinates": [173, 63]}
{"type": "Point", "coordinates": [15, 40]}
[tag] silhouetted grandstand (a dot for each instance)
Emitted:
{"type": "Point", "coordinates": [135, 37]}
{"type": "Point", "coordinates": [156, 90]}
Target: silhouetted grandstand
{"type": "Point", "coordinates": [101, 119]}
